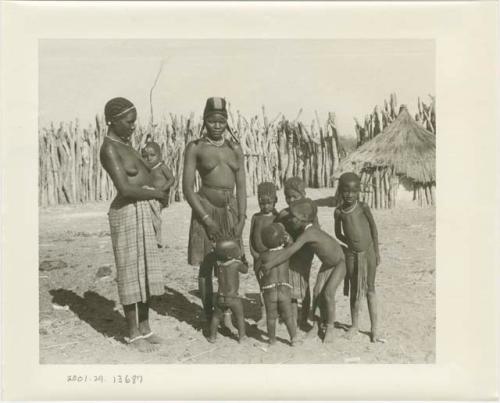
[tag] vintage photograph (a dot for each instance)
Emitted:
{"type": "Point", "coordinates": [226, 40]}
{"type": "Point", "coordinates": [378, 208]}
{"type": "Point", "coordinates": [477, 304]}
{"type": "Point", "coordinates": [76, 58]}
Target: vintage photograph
{"type": "Point", "coordinates": [237, 201]}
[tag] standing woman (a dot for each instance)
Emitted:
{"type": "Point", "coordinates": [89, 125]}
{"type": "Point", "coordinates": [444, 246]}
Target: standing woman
{"type": "Point", "coordinates": [216, 210]}
{"type": "Point", "coordinates": [139, 274]}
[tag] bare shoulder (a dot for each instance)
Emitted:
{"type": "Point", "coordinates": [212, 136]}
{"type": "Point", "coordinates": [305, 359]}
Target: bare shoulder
{"type": "Point", "coordinates": [364, 206]}
{"type": "Point", "coordinates": [193, 145]}
{"type": "Point", "coordinates": [108, 151]}
{"type": "Point", "coordinates": [236, 148]}
{"type": "Point", "coordinates": [234, 145]}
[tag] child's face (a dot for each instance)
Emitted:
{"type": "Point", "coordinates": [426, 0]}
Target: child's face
{"type": "Point", "coordinates": [150, 156]}
{"type": "Point", "coordinates": [297, 224]}
{"type": "Point", "coordinates": [266, 204]}
{"type": "Point", "coordinates": [350, 193]}
{"type": "Point", "coordinates": [292, 195]}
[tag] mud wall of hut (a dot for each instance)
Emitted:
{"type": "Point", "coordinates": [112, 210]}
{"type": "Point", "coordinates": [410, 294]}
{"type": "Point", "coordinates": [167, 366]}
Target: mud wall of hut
{"type": "Point", "coordinates": [70, 170]}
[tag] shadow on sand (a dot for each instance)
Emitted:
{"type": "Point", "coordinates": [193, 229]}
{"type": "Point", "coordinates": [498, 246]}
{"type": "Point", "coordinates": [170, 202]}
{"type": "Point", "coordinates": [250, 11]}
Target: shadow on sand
{"type": "Point", "coordinates": [175, 304]}
{"type": "Point", "coordinates": [97, 311]}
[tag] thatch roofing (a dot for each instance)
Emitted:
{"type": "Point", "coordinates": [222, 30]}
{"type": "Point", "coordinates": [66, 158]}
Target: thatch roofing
{"type": "Point", "coordinates": [403, 145]}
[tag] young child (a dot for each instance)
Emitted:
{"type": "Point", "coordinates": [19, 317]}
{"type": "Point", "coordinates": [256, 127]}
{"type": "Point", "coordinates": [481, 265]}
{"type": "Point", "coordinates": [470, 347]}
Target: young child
{"type": "Point", "coordinates": [275, 285]}
{"type": "Point", "coordinates": [355, 226]}
{"type": "Point", "coordinates": [227, 267]}
{"type": "Point", "coordinates": [163, 179]}
{"type": "Point", "coordinates": [300, 263]}
{"type": "Point", "coordinates": [266, 194]}
{"type": "Point", "coordinates": [329, 252]}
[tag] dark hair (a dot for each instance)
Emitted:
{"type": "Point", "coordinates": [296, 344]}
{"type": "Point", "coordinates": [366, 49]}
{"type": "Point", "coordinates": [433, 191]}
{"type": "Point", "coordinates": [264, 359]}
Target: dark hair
{"type": "Point", "coordinates": [348, 177]}
{"type": "Point", "coordinates": [272, 235]}
{"type": "Point", "coordinates": [215, 105]}
{"type": "Point", "coordinates": [117, 107]}
{"type": "Point", "coordinates": [266, 189]}
{"type": "Point", "coordinates": [295, 183]}
{"type": "Point", "coordinates": [227, 248]}
{"type": "Point", "coordinates": [304, 209]}
{"type": "Point", "coordinates": [155, 146]}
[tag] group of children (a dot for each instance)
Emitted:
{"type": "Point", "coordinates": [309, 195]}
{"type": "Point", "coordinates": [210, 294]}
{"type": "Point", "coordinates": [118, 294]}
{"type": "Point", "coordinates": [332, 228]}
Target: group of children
{"type": "Point", "coordinates": [283, 246]}
{"type": "Point", "coordinates": [277, 238]}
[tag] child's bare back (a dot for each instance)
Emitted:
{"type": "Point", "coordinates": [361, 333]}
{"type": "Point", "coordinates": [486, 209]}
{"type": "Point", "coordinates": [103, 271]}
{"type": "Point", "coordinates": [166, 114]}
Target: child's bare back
{"type": "Point", "coordinates": [277, 274]}
{"type": "Point", "coordinates": [228, 277]}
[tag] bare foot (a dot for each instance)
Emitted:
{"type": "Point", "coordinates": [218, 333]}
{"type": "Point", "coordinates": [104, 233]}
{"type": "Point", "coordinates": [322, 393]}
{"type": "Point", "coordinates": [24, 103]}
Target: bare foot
{"type": "Point", "coordinates": [153, 338]}
{"type": "Point", "coordinates": [272, 342]}
{"type": "Point", "coordinates": [296, 341]}
{"type": "Point", "coordinates": [353, 331]}
{"type": "Point", "coordinates": [329, 334]}
{"type": "Point", "coordinates": [142, 345]}
{"type": "Point", "coordinates": [375, 337]}
{"type": "Point", "coordinates": [243, 339]}
{"type": "Point", "coordinates": [212, 339]}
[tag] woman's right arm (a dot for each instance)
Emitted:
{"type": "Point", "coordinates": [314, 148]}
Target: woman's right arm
{"type": "Point", "coordinates": [188, 177]}
{"type": "Point", "coordinates": [110, 160]}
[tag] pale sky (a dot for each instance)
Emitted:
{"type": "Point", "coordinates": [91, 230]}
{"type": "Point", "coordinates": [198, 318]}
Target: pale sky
{"type": "Point", "coordinates": [348, 77]}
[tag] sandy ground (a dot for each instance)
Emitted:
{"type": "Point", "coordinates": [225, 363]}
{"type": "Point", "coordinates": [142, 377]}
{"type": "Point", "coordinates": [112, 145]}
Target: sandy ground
{"type": "Point", "coordinates": [81, 320]}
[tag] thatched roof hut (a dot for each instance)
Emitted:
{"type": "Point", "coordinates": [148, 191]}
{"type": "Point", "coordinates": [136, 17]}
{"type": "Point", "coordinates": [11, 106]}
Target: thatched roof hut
{"type": "Point", "coordinates": [403, 154]}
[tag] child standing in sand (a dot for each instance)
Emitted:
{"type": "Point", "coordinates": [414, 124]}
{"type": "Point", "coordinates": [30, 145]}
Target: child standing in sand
{"type": "Point", "coordinates": [163, 179]}
{"type": "Point", "coordinates": [228, 266]}
{"type": "Point", "coordinates": [275, 284]}
{"type": "Point", "coordinates": [355, 226]}
{"type": "Point", "coordinates": [266, 194]}
{"type": "Point", "coordinates": [332, 269]}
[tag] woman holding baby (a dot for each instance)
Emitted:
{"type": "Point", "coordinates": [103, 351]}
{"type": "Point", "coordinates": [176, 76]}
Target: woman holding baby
{"type": "Point", "coordinates": [139, 275]}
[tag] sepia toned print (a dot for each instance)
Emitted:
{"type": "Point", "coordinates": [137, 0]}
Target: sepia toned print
{"type": "Point", "coordinates": [146, 166]}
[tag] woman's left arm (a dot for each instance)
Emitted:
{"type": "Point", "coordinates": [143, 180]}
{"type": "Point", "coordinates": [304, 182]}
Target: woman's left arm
{"type": "Point", "coordinates": [241, 189]}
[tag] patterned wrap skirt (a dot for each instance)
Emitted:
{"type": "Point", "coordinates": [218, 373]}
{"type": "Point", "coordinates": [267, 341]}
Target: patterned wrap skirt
{"type": "Point", "coordinates": [138, 267]}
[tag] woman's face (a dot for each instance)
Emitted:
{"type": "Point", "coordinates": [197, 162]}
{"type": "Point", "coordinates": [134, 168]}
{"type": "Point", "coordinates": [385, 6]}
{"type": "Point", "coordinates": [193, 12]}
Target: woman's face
{"type": "Point", "coordinates": [216, 126]}
{"type": "Point", "coordinates": [125, 126]}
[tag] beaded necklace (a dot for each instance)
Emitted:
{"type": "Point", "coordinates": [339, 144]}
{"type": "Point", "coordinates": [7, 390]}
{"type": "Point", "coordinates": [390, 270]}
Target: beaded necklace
{"type": "Point", "coordinates": [119, 141]}
{"type": "Point", "coordinates": [215, 143]}
{"type": "Point", "coordinates": [351, 209]}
